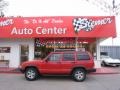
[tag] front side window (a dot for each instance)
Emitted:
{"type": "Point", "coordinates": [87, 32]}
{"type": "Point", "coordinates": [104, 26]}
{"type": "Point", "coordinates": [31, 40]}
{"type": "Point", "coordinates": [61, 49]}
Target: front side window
{"type": "Point", "coordinates": [83, 56]}
{"type": "Point", "coordinates": [54, 57]}
{"type": "Point", "coordinates": [68, 57]}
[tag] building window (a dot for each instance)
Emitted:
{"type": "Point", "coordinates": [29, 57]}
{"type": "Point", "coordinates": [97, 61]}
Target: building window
{"type": "Point", "coordinates": [5, 49]}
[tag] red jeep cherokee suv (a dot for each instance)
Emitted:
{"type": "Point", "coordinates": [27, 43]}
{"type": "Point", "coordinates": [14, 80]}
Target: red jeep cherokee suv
{"type": "Point", "coordinates": [74, 63]}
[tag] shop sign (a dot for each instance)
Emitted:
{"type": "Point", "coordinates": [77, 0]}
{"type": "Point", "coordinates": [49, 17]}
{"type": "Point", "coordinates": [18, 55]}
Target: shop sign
{"type": "Point", "coordinates": [6, 22]}
{"type": "Point", "coordinates": [4, 49]}
{"type": "Point", "coordinates": [59, 26]}
{"type": "Point", "coordinates": [89, 24]}
{"type": "Point", "coordinates": [39, 30]}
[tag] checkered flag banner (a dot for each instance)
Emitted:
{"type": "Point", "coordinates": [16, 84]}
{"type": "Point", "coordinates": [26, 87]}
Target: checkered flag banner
{"type": "Point", "coordinates": [82, 24]}
{"type": "Point", "coordinates": [39, 43]}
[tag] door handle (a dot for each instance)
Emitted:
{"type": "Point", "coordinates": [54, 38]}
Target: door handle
{"type": "Point", "coordinates": [72, 62]}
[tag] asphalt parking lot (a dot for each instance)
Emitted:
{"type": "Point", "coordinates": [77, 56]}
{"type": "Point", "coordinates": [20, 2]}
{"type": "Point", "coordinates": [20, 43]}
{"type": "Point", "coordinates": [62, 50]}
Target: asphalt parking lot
{"type": "Point", "coordinates": [93, 82]}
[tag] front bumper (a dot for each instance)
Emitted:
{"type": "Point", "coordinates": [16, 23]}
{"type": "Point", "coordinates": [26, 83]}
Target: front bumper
{"type": "Point", "coordinates": [113, 64]}
{"type": "Point", "coordinates": [21, 70]}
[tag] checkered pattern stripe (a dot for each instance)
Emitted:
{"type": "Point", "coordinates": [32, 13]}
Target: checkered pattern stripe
{"type": "Point", "coordinates": [38, 43]}
{"type": "Point", "coordinates": [78, 25]}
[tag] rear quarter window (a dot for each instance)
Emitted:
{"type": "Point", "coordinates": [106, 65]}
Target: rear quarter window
{"type": "Point", "coordinates": [83, 56]}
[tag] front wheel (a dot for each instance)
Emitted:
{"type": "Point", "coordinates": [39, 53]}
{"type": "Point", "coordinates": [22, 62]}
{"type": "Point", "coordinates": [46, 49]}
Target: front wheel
{"type": "Point", "coordinates": [79, 75]}
{"type": "Point", "coordinates": [117, 65]}
{"type": "Point", "coordinates": [31, 74]}
{"type": "Point", "coordinates": [103, 64]}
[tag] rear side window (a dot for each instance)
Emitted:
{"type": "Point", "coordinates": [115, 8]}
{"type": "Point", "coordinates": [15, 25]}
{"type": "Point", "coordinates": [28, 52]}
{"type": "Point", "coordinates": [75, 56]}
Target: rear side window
{"type": "Point", "coordinates": [83, 56]}
{"type": "Point", "coordinates": [68, 57]}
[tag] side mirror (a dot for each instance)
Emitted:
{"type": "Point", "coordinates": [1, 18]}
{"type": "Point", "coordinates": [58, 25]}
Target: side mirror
{"type": "Point", "coordinates": [47, 60]}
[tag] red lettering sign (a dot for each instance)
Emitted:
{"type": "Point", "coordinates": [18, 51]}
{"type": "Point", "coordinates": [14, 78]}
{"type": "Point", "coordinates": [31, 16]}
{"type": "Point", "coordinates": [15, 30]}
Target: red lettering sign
{"type": "Point", "coordinates": [59, 26]}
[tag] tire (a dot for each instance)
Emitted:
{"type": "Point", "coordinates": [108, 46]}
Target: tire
{"type": "Point", "coordinates": [31, 74]}
{"type": "Point", "coordinates": [79, 75]}
{"type": "Point", "coordinates": [103, 64]}
{"type": "Point", "coordinates": [117, 65]}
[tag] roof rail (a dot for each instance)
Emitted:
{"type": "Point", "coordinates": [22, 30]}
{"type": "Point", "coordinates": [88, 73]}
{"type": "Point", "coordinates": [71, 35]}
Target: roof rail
{"type": "Point", "coordinates": [60, 50]}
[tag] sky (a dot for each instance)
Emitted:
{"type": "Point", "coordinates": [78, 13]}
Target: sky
{"type": "Point", "coordinates": [29, 8]}
{"type": "Point", "coordinates": [55, 7]}
{"type": "Point", "coordinates": [51, 8]}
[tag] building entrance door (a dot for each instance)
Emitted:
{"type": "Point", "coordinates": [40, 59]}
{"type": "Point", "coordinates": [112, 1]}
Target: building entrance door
{"type": "Point", "coordinates": [24, 53]}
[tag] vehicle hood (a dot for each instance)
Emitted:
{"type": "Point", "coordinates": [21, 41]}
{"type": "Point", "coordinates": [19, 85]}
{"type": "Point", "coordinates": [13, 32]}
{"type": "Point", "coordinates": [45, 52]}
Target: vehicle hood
{"type": "Point", "coordinates": [112, 60]}
{"type": "Point", "coordinates": [33, 62]}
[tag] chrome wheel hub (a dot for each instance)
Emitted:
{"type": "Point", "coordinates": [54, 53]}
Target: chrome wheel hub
{"type": "Point", "coordinates": [30, 74]}
{"type": "Point", "coordinates": [79, 75]}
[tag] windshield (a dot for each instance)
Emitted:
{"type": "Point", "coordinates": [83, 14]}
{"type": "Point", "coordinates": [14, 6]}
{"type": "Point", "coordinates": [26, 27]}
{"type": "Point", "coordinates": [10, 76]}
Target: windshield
{"type": "Point", "coordinates": [105, 57]}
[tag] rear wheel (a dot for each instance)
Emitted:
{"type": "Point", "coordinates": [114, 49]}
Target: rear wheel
{"type": "Point", "coordinates": [31, 74]}
{"type": "Point", "coordinates": [79, 75]}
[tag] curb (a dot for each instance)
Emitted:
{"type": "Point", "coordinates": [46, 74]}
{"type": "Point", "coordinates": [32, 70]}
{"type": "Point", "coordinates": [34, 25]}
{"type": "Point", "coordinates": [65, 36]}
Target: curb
{"type": "Point", "coordinates": [103, 73]}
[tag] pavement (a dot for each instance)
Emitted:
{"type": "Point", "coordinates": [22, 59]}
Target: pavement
{"type": "Point", "coordinates": [102, 70]}
{"type": "Point", "coordinates": [92, 82]}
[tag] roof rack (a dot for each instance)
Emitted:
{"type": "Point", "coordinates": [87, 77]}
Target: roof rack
{"type": "Point", "coordinates": [61, 50]}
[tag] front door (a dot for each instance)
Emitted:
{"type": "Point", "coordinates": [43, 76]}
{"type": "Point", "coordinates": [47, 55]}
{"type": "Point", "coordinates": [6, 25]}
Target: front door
{"type": "Point", "coordinates": [52, 64]}
{"type": "Point", "coordinates": [24, 53]}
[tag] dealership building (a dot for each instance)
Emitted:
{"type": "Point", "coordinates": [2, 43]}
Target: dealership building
{"type": "Point", "coordinates": [28, 38]}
